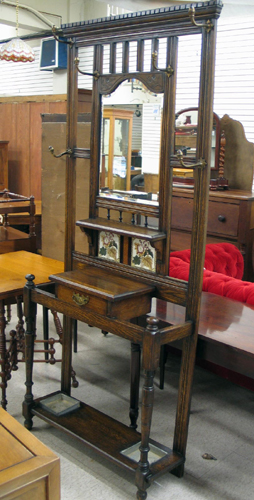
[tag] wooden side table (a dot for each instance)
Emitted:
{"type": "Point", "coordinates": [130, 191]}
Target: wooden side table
{"type": "Point", "coordinates": [28, 469]}
{"type": "Point", "coordinates": [13, 268]}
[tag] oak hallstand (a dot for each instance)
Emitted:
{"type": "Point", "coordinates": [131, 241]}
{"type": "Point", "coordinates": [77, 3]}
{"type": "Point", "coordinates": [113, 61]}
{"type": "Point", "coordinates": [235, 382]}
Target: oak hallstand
{"type": "Point", "coordinates": [113, 289]}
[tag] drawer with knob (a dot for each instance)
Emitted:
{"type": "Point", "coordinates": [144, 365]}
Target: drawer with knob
{"type": "Point", "coordinates": [222, 217]}
{"type": "Point", "coordinates": [230, 219]}
{"type": "Point", "coordinates": [98, 291]}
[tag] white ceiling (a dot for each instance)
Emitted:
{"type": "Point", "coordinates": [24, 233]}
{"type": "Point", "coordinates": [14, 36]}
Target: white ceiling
{"type": "Point", "coordinates": [135, 5]}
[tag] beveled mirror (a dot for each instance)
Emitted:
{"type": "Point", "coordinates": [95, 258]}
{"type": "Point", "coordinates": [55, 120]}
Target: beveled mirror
{"type": "Point", "coordinates": [130, 139]}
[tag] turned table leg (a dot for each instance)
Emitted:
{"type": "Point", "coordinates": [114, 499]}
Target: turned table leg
{"type": "Point", "coordinates": [151, 355]}
{"type": "Point", "coordinates": [20, 331]}
{"type": "Point", "coordinates": [3, 360]}
{"type": "Point", "coordinates": [146, 419]}
{"type": "Point", "coordinates": [30, 309]}
{"type": "Point", "coordinates": [134, 387]}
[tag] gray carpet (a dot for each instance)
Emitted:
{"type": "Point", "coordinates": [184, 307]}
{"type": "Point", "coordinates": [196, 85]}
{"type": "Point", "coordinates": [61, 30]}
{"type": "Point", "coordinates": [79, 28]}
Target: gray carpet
{"type": "Point", "coordinates": [221, 424]}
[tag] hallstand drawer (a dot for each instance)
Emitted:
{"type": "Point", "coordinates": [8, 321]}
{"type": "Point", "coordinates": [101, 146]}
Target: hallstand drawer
{"type": "Point", "coordinates": [99, 291]}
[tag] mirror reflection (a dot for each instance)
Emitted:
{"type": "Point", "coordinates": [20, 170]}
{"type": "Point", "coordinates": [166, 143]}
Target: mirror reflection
{"type": "Point", "coordinates": [186, 135]}
{"type": "Point", "coordinates": [130, 143]}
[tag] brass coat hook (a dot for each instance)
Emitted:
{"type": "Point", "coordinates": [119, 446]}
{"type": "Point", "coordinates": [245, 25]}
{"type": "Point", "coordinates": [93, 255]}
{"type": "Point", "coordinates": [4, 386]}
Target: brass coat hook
{"type": "Point", "coordinates": [208, 25]}
{"type": "Point", "coordinates": [201, 163]}
{"type": "Point", "coordinates": [67, 152]}
{"type": "Point", "coordinates": [56, 30]}
{"type": "Point", "coordinates": [169, 70]}
{"type": "Point", "coordinates": [95, 74]}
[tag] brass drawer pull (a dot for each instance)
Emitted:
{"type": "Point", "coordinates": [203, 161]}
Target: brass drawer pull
{"type": "Point", "coordinates": [80, 300]}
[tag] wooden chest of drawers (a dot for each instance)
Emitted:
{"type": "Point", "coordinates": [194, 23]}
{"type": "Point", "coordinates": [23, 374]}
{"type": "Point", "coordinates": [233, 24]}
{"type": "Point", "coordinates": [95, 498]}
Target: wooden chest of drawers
{"type": "Point", "coordinates": [230, 219]}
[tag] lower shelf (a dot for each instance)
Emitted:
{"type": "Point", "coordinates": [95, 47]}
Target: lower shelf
{"type": "Point", "coordinates": [112, 439]}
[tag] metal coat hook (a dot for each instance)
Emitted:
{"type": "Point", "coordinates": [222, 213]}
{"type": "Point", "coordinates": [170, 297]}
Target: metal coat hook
{"type": "Point", "coordinates": [95, 74]}
{"type": "Point", "coordinates": [169, 70]}
{"type": "Point", "coordinates": [67, 152]}
{"type": "Point", "coordinates": [208, 25]}
{"type": "Point", "coordinates": [54, 31]}
{"type": "Point", "coordinates": [201, 163]}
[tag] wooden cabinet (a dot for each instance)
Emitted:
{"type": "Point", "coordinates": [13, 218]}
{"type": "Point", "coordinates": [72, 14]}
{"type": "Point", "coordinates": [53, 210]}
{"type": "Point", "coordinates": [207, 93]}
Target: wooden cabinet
{"type": "Point", "coordinates": [28, 469]}
{"type": "Point", "coordinates": [3, 165]}
{"type": "Point", "coordinates": [230, 219]}
{"type": "Point", "coordinates": [116, 150]}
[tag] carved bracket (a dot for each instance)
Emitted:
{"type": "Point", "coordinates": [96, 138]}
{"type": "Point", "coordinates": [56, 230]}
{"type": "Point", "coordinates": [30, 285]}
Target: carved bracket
{"type": "Point", "coordinates": [154, 82]}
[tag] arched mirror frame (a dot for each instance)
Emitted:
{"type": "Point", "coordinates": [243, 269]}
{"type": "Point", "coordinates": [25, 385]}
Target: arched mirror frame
{"type": "Point", "coordinates": [154, 82]}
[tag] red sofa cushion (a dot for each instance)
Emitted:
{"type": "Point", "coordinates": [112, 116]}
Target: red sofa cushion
{"type": "Point", "coordinates": [216, 282]}
{"type": "Point", "coordinates": [222, 258]}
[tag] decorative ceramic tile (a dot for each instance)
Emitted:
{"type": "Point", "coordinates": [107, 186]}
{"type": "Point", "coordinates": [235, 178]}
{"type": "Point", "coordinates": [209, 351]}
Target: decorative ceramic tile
{"type": "Point", "coordinates": [109, 246]}
{"type": "Point", "coordinates": [143, 254]}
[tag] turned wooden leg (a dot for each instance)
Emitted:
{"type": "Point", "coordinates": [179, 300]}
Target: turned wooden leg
{"type": "Point", "coordinates": [20, 331]}
{"type": "Point", "coordinates": [75, 336]}
{"type": "Point", "coordinates": [8, 313]}
{"type": "Point", "coordinates": [59, 330]}
{"type": "Point", "coordinates": [151, 355]}
{"type": "Point", "coordinates": [13, 352]}
{"type": "Point", "coordinates": [30, 315]}
{"type": "Point", "coordinates": [45, 330]}
{"type": "Point", "coordinates": [163, 359]}
{"type": "Point", "coordinates": [184, 399]}
{"type": "Point", "coordinates": [66, 355]}
{"type": "Point", "coordinates": [146, 419]}
{"type": "Point", "coordinates": [3, 372]}
{"type": "Point", "coordinates": [134, 389]}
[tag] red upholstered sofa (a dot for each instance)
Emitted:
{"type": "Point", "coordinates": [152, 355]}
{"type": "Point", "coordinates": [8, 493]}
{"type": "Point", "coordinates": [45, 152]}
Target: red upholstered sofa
{"type": "Point", "coordinates": [223, 270]}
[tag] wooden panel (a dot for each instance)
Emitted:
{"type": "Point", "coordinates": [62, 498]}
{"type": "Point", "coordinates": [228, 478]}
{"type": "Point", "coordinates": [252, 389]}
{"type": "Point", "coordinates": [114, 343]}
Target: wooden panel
{"type": "Point", "coordinates": [84, 100]}
{"type": "Point", "coordinates": [182, 212]}
{"type": "Point", "coordinates": [53, 198]}
{"type": "Point", "coordinates": [22, 178]}
{"type": "Point", "coordinates": [8, 133]}
{"type": "Point", "coordinates": [35, 148]}
{"type": "Point", "coordinates": [20, 124]}
{"type": "Point", "coordinates": [56, 107]}
{"type": "Point", "coordinates": [3, 165]}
